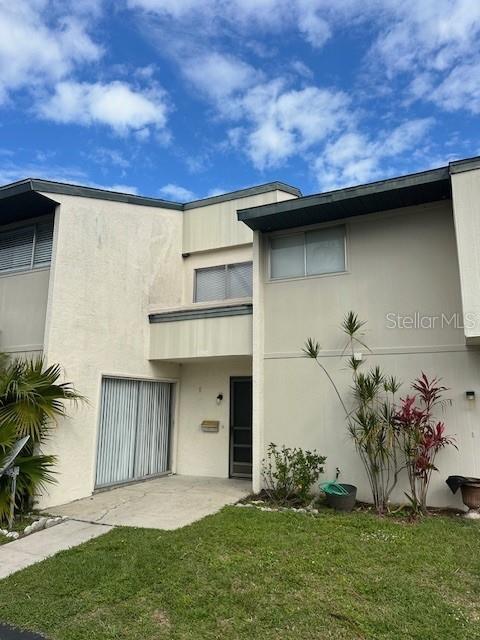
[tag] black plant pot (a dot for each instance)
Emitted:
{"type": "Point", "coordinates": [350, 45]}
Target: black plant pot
{"type": "Point", "coordinates": [344, 502]}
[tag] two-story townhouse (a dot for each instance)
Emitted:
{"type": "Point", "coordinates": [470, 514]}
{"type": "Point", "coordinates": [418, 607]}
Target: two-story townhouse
{"type": "Point", "coordinates": [149, 307]}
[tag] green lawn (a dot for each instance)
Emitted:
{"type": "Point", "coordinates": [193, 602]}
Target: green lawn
{"type": "Point", "coordinates": [245, 574]}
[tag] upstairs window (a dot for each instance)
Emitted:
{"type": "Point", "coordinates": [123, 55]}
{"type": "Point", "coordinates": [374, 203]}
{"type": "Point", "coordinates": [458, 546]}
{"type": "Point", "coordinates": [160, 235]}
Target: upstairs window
{"type": "Point", "coordinates": [310, 253]}
{"type": "Point", "coordinates": [224, 282]}
{"type": "Point", "coordinates": [27, 247]}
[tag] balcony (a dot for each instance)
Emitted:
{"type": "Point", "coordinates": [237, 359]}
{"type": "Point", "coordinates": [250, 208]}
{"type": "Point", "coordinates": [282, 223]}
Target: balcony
{"type": "Point", "coordinates": [201, 331]}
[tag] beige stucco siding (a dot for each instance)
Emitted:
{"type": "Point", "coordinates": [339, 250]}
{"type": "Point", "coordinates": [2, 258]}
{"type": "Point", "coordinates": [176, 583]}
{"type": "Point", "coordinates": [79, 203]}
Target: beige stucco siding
{"type": "Point", "coordinates": [216, 225]}
{"type": "Point", "coordinates": [112, 262]}
{"type": "Point", "coordinates": [466, 207]}
{"type": "Point", "coordinates": [200, 453]}
{"type": "Point", "coordinates": [23, 307]}
{"type": "Point", "coordinates": [403, 263]}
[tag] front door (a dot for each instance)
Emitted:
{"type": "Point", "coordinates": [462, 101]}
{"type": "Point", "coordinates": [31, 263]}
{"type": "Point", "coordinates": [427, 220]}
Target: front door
{"type": "Point", "coordinates": [241, 427]}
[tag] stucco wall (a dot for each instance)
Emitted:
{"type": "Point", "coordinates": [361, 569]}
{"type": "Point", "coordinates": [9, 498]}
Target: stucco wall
{"type": "Point", "coordinates": [399, 262]}
{"type": "Point", "coordinates": [23, 306]}
{"type": "Point", "coordinates": [200, 453]}
{"type": "Point", "coordinates": [112, 261]}
{"type": "Point", "coordinates": [466, 207]}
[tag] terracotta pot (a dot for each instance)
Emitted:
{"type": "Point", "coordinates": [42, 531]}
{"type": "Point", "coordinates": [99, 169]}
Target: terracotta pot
{"type": "Point", "coordinates": [471, 495]}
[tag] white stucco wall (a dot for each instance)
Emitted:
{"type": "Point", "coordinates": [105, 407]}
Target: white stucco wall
{"type": "Point", "coordinates": [112, 261]}
{"type": "Point", "coordinates": [398, 262]}
{"type": "Point", "coordinates": [200, 453]}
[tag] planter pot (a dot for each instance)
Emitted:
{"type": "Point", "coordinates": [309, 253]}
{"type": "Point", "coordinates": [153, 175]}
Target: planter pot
{"type": "Point", "coordinates": [471, 497]}
{"type": "Point", "coordinates": [345, 502]}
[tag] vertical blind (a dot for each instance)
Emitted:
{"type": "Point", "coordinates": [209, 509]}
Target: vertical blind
{"type": "Point", "coordinates": [27, 247]}
{"type": "Point", "coordinates": [224, 282]}
{"type": "Point", "coordinates": [310, 253]}
{"type": "Point", "coordinates": [134, 431]}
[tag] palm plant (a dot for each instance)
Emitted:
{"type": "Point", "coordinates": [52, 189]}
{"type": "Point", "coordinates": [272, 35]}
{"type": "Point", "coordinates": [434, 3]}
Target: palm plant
{"type": "Point", "coordinates": [31, 400]}
{"type": "Point", "coordinates": [370, 421]}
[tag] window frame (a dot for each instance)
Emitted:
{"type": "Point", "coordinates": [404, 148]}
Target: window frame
{"type": "Point", "coordinates": [35, 223]}
{"type": "Point", "coordinates": [217, 266]}
{"type": "Point", "coordinates": [303, 232]}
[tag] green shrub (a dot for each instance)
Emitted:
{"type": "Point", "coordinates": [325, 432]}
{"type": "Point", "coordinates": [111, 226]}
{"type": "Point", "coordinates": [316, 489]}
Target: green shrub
{"type": "Point", "coordinates": [289, 474]}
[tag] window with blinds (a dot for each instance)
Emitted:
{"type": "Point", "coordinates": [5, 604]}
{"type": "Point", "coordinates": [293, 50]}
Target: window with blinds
{"type": "Point", "coordinates": [224, 282]}
{"type": "Point", "coordinates": [310, 253]}
{"type": "Point", "coordinates": [27, 247]}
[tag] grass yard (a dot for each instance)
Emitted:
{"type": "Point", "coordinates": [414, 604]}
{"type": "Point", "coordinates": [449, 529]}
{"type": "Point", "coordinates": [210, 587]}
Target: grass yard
{"type": "Point", "coordinates": [246, 574]}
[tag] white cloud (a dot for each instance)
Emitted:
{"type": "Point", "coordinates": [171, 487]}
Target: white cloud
{"type": "Point", "coordinates": [431, 34]}
{"type": "Point", "coordinates": [177, 193]}
{"type": "Point", "coordinates": [460, 89]}
{"type": "Point", "coordinates": [425, 40]}
{"type": "Point", "coordinates": [216, 191]}
{"type": "Point", "coordinates": [38, 46]}
{"type": "Point", "coordinates": [282, 122]}
{"type": "Point", "coordinates": [115, 104]}
{"type": "Point", "coordinates": [219, 75]}
{"type": "Point", "coordinates": [244, 16]}
{"type": "Point", "coordinates": [11, 171]}
{"type": "Point", "coordinates": [109, 157]}
{"type": "Point", "coordinates": [356, 158]}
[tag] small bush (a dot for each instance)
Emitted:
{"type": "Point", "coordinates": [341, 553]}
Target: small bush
{"type": "Point", "coordinates": [289, 474]}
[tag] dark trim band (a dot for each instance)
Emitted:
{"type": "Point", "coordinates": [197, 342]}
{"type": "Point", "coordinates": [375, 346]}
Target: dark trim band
{"type": "Point", "coordinates": [201, 314]}
{"type": "Point", "coordinates": [48, 186]}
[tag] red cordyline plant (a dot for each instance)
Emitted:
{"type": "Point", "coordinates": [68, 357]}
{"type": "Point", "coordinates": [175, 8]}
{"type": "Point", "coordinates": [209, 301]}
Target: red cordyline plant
{"type": "Point", "coordinates": [421, 436]}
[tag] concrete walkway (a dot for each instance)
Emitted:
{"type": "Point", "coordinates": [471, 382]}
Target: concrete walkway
{"type": "Point", "coordinates": [169, 502]}
{"type": "Point", "coordinates": [38, 546]}
{"type": "Point", "coordinates": [164, 503]}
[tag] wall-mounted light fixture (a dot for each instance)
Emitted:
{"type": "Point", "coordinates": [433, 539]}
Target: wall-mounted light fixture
{"type": "Point", "coordinates": [219, 398]}
{"type": "Point", "coordinates": [470, 395]}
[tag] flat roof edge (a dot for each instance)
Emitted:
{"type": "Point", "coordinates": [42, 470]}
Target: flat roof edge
{"type": "Point", "coordinates": [468, 164]}
{"type": "Point", "coordinates": [47, 186]}
{"type": "Point", "coordinates": [243, 193]}
{"type": "Point", "coordinates": [348, 193]}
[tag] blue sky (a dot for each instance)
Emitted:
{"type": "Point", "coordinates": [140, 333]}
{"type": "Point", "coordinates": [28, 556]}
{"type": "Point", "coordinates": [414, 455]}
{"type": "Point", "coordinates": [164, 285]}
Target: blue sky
{"type": "Point", "coordinates": [183, 99]}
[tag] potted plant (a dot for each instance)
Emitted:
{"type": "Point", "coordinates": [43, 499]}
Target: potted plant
{"type": "Point", "coordinates": [470, 488]}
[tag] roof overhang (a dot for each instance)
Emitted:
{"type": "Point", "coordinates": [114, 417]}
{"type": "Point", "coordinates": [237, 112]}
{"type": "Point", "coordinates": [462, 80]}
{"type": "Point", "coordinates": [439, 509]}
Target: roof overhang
{"type": "Point", "coordinates": [20, 201]}
{"type": "Point", "coordinates": [395, 193]}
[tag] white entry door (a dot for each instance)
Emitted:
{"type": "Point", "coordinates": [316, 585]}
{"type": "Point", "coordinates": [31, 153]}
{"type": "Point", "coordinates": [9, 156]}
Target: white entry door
{"type": "Point", "coordinates": [134, 433]}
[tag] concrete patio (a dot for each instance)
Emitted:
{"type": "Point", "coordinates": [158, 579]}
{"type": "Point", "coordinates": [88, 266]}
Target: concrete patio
{"type": "Point", "coordinates": [169, 502]}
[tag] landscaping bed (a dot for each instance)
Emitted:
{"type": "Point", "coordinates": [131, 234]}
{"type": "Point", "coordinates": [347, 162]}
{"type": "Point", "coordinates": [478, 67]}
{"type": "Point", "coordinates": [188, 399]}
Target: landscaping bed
{"type": "Point", "coordinates": [244, 574]}
{"type": "Point", "coordinates": [27, 525]}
